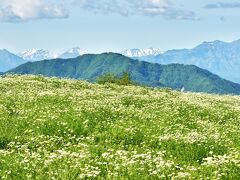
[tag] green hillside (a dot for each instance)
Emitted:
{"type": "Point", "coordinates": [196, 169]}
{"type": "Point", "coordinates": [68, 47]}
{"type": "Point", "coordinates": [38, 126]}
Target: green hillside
{"type": "Point", "coordinates": [89, 67]}
{"type": "Point", "coordinates": [71, 129]}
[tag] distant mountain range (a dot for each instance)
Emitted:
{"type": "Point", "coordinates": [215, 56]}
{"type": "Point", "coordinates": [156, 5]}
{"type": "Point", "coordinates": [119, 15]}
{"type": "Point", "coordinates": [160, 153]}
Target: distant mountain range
{"type": "Point", "coordinates": [9, 60]}
{"type": "Point", "coordinates": [41, 54]}
{"type": "Point", "coordinates": [218, 57]}
{"type": "Point", "coordinates": [89, 67]}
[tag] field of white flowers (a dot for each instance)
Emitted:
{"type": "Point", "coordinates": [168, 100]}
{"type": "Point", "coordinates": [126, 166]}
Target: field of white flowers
{"type": "Point", "coordinates": [68, 129]}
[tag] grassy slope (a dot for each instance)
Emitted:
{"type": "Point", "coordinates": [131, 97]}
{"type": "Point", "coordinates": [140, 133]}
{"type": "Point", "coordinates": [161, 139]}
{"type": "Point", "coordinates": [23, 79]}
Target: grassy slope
{"type": "Point", "coordinates": [72, 129]}
{"type": "Point", "coordinates": [89, 67]}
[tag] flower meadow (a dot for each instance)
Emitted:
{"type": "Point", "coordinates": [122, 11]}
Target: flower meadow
{"type": "Point", "coordinates": [70, 129]}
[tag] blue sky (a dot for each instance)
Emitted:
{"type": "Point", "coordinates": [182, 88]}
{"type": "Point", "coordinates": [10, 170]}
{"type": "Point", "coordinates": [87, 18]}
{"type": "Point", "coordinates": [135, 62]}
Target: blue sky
{"type": "Point", "coordinates": [115, 25]}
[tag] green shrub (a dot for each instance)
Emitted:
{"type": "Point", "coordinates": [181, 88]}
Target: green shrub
{"type": "Point", "coordinates": [124, 79]}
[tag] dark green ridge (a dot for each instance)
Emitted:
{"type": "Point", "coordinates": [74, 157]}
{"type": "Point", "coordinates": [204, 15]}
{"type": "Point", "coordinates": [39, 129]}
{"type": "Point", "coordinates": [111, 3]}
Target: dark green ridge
{"type": "Point", "coordinates": [90, 66]}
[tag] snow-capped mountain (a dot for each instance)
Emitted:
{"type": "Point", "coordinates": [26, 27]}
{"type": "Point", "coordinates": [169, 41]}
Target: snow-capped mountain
{"type": "Point", "coordinates": [72, 53]}
{"type": "Point", "coordinates": [141, 52]}
{"type": "Point", "coordinates": [9, 60]}
{"type": "Point", "coordinates": [37, 55]}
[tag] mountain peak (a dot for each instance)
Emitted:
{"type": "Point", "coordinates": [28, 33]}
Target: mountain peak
{"type": "Point", "coordinates": [9, 60]}
{"type": "Point", "coordinates": [75, 49]}
{"type": "Point", "coordinates": [73, 53]}
{"type": "Point", "coordinates": [4, 50]}
{"type": "Point", "coordinates": [211, 45]}
{"type": "Point", "coordinates": [141, 52]}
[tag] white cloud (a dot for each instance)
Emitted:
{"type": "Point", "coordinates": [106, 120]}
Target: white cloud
{"type": "Point", "coordinates": [25, 10]}
{"type": "Point", "coordinates": [163, 8]}
{"type": "Point", "coordinates": [227, 5]}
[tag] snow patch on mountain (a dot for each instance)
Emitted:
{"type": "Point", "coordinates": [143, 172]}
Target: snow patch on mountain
{"type": "Point", "coordinates": [72, 53]}
{"type": "Point", "coordinates": [141, 52]}
{"type": "Point", "coordinates": [37, 55]}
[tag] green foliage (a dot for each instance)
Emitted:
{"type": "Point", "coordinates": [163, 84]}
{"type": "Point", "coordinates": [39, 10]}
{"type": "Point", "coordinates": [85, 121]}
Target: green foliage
{"type": "Point", "coordinates": [68, 129]}
{"type": "Point", "coordinates": [106, 78]}
{"type": "Point", "coordinates": [89, 67]}
{"type": "Point", "coordinates": [123, 79]}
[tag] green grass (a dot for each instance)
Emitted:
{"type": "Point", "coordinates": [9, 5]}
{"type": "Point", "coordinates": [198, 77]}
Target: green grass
{"type": "Point", "coordinates": [69, 129]}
